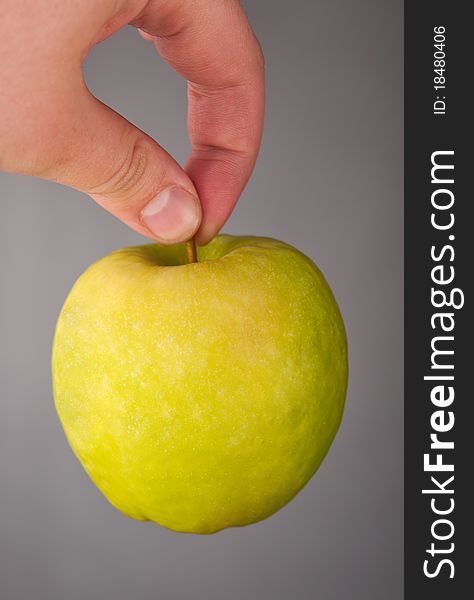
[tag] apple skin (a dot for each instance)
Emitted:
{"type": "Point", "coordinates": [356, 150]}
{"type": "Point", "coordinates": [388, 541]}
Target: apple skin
{"type": "Point", "coordinates": [201, 396]}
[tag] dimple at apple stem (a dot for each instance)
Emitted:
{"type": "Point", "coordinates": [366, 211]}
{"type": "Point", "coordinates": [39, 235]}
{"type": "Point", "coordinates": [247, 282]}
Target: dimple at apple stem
{"type": "Point", "coordinates": [191, 250]}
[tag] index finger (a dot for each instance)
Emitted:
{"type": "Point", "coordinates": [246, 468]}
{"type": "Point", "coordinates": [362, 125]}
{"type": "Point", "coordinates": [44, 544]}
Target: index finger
{"type": "Point", "coordinates": [211, 43]}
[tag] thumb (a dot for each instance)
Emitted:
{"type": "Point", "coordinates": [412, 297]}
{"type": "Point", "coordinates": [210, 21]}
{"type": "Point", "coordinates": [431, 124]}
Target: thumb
{"type": "Point", "coordinates": [99, 152]}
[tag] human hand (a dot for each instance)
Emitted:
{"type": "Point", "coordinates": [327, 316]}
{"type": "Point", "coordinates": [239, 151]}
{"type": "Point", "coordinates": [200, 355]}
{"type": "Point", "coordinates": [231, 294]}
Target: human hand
{"type": "Point", "coordinates": [51, 126]}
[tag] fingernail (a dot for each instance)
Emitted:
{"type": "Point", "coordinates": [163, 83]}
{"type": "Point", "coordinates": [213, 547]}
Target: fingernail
{"type": "Point", "coordinates": [173, 215]}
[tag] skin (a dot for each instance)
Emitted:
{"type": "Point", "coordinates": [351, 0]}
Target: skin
{"type": "Point", "coordinates": [201, 396]}
{"type": "Point", "coordinates": [51, 126]}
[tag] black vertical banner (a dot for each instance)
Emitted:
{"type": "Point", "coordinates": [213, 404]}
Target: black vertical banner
{"type": "Point", "coordinates": [439, 435]}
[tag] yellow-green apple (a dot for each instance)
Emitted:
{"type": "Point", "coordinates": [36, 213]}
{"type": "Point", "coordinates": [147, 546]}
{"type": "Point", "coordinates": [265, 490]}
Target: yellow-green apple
{"type": "Point", "coordinates": [205, 395]}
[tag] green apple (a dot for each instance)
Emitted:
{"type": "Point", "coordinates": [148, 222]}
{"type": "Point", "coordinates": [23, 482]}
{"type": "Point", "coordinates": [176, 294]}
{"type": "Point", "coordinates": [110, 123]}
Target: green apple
{"type": "Point", "coordinates": [204, 395]}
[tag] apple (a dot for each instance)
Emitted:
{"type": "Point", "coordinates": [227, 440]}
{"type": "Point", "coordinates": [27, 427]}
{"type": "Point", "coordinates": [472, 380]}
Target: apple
{"type": "Point", "coordinates": [205, 395]}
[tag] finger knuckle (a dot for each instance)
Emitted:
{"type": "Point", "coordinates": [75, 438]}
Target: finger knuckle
{"type": "Point", "coordinates": [127, 179]}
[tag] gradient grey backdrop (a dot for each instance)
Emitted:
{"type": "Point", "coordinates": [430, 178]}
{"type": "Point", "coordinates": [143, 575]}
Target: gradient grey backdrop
{"type": "Point", "coordinates": [328, 180]}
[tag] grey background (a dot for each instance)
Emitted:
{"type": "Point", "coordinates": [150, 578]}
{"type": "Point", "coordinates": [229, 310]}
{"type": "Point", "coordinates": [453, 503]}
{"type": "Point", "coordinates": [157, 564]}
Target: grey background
{"type": "Point", "coordinates": [328, 180]}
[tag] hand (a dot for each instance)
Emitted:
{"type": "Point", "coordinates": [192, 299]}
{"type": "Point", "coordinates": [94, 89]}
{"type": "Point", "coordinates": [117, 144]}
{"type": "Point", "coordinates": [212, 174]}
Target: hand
{"type": "Point", "coordinates": [51, 126]}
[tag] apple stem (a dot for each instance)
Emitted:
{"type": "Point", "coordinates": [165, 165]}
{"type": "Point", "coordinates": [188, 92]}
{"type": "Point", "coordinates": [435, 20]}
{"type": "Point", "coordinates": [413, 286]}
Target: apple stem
{"type": "Point", "coordinates": [191, 250]}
